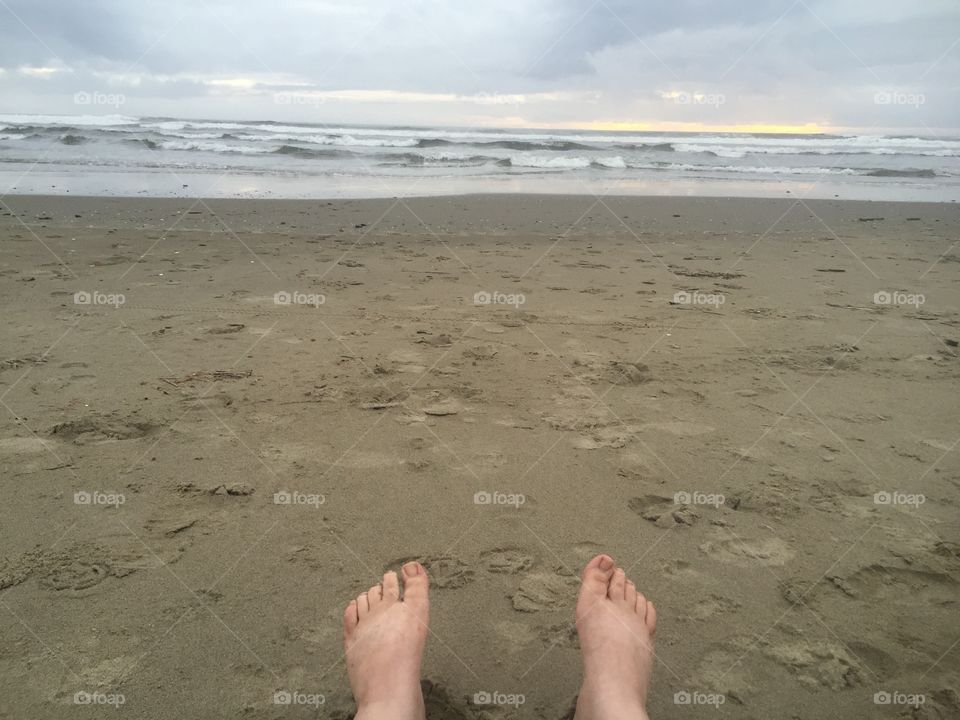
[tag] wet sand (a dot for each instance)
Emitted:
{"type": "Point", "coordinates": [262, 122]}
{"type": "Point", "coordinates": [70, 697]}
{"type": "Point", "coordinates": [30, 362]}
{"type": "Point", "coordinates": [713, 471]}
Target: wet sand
{"type": "Point", "coordinates": [198, 476]}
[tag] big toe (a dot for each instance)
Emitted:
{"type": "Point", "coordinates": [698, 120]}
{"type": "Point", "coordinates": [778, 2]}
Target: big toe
{"type": "Point", "coordinates": [595, 579]}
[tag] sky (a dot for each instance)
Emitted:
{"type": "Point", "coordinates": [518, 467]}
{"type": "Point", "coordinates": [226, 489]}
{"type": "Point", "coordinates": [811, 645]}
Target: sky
{"type": "Point", "coordinates": [758, 65]}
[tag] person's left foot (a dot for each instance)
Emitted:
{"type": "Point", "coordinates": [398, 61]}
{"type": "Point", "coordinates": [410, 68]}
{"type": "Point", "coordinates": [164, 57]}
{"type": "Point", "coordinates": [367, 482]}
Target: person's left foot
{"type": "Point", "coordinates": [384, 638]}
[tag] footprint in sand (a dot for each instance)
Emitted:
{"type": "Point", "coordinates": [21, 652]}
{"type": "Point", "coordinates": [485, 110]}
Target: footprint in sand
{"type": "Point", "coordinates": [407, 361]}
{"type": "Point", "coordinates": [440, 704]}
{"type": "Point", "coordinates": [883, 584]}
{"type": "Point", "coordinates": [772, 551]}
{"type": "Point", "coordinates": [506, 560]}
{"type": "Point", "coordinates": [819, 663]}
{"type": "Point", "coordinates": [80, 568]}
{"type": "Point", "coordinates": [74, 575]}
{"type": "Point", "coordinates": [103, 428]}
{"type": "Point", "coordinates": [680, 428]}
{"type": "Point", "coordinates": [662, 511]}
{"type": "Point", "coordinates": [728, 668]}
{"type": "Point", "coordinates": [559, 635]}
{"type": "Point", "coordinates": [625, 373]}
{"type": "Point", "coordinates": [545, 591]}
{"type": "Point", "coordinates": [713, 605]}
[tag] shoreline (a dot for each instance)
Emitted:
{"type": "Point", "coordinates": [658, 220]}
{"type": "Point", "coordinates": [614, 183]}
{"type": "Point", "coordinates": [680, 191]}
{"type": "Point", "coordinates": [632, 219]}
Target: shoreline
{"type": "Point", "coordinates": [173, 184]}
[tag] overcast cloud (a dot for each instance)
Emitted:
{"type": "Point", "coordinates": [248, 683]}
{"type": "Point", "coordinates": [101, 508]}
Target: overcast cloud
{"type": "Point", "coordinates": [877, 64]}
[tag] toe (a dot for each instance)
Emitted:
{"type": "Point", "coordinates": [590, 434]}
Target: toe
{"type": "Point", "coordinates": [630, 595]}
{"type": "Point", "coordinates": [374, 596]}
{"type": "Point", "coordinates": [350, 618]}
{"type": "Point", "coordinates": [391, 586]}
{"type": "Point", "coordinates": [595, 577]}
{"type": "Point", "coordinates": [640, 606]}
{"type": "Point", "coordinates": [363, 606]}
{"type": "Point", "coordinates": [416, 584]}
{"type": "Point", "coordinates": [651, 618]}
{"type": "Point", "coordinates": [618, 585]}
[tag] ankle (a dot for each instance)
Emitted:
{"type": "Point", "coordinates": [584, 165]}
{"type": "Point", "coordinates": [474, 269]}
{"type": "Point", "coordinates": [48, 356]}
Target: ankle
{"type": "Point", "coordinates": [606, 699]}
{"type": "Point", "coordinates": [395, 708]}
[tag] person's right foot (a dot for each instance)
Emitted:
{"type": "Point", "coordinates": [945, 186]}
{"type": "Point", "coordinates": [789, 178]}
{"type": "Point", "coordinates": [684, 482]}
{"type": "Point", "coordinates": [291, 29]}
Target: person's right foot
{"type": "Point", "coordinates": [616, 626]}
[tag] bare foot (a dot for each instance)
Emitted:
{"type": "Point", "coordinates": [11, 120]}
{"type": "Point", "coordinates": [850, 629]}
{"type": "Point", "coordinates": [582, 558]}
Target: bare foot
{"type": "Point", "coordinates": [384, 638]}
{"type": "Point", "coordinates": [616, 625]}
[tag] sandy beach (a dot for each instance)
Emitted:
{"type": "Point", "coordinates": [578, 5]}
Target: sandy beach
{"type": "Point", "coordinates": [223, 419]}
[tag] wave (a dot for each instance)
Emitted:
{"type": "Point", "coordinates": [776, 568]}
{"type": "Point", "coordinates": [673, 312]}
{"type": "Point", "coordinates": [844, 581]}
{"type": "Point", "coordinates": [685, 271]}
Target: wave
{"type": "Point", "coordinates": [750, 169]}
{"type": "Point", "coordinates": [69, 120]}
{"type": "Point", "coordinates": [216, 147]}
{"type": "Point", "coordinates": [575, 162]}
{"type": "Point", "coordinates": [308, 153]}
{"type": "Point", "coordinates": [143, 142]}
{"type": "Point", "coordinates": [662, 147]}
{"type": "Point", "coordinates": [339, 140]}
{"type": "Point", "coordinates": [887, 172]}
{"type": "Point", "coordinates": [739, 151]}
{"type": "Point", "coordinates": [442, 160]}
{"type": "Point", "coordinates": [74, 139]}
{"type": "Point", "coordinates": [33, 129]}
{"type": "Point", "coordinates": [726, 145]}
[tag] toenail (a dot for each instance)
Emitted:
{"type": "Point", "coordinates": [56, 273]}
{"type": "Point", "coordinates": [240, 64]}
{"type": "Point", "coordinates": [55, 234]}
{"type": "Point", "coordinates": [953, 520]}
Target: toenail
{"type": "Point", "coordinates": [606, 562]}
{"type": "Point", "coordinates": [412, 568]}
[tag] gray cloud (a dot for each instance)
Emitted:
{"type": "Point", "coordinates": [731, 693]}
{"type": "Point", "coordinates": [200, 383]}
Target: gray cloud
{"type": "Point", "coordinates": [575, 61]}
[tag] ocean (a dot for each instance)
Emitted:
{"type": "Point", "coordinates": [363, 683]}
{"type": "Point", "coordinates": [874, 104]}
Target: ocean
{"type": "Point", "coordinates": [131, 156]}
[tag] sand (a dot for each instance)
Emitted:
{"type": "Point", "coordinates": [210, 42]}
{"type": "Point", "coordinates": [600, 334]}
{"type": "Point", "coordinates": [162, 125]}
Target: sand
{"type": "Point", "coordinates": [196, 479]}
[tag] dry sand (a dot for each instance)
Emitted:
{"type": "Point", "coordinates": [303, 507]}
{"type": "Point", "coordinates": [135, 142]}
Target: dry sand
{"type": "Point", "coordinates": [398, 399]}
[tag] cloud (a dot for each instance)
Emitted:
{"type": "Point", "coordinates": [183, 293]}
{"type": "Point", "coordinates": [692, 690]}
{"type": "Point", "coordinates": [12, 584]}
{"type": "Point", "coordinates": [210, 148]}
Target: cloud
{"type": "Point", "coordinates": [535, 62]}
